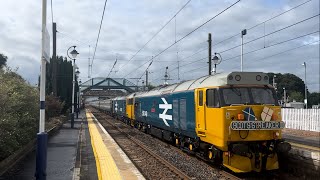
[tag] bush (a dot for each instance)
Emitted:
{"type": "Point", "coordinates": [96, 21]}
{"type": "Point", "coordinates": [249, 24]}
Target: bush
{"type": "Point", "coordinates": [53, 106]}
{"type": "Point", "coordinates": [19, 110]}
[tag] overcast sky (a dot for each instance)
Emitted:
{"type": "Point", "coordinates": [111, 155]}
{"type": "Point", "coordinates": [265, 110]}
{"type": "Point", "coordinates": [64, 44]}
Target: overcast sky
{"type": "Point", "coordinates": [128, 25]}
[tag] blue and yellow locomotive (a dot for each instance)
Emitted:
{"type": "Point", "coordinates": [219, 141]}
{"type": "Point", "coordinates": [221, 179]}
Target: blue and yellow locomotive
{"type": "Point", "coordinates": [230, 118]}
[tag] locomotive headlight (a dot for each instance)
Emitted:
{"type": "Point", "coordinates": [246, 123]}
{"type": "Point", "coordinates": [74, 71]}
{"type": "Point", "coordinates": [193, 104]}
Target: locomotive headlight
{"type": "Point", "coordinates": [230, 77]}
{"type": "Point", "coordinates": [240, 117]}
{"type": "Point", "coordinates": [265, 78]}
{"type": "Point", "coordinates": [258, 78]}
{"type": "Point", "coordinates": [276, 135]}
{"type": "Point", "coordinates": [238, 77]}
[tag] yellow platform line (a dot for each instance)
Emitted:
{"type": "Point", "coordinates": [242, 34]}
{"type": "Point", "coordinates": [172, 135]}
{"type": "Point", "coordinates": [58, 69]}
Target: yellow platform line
{"type": "Point", "coordinates": [305, 146]}
{"type": "Point", "coordinates": [106, 167]}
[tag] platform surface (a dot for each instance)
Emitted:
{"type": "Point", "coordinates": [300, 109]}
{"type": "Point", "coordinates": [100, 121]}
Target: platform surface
{"type": "Point", "coordinates": [112, 163]}
{"type": "Point", "coordinates": [61, 155]}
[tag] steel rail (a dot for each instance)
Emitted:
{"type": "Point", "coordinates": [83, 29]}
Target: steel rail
{"type": "Point", "coordinates": [175, 170]}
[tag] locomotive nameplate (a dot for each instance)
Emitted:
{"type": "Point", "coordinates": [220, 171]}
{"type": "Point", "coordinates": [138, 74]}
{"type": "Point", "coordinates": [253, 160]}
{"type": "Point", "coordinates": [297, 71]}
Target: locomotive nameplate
{"type": "Point", "coordinates": [256, 125]}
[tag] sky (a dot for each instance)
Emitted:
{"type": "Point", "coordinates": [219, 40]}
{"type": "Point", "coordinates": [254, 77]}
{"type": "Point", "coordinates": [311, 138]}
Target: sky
{"type": "Point", "coordinates": [276, 41]}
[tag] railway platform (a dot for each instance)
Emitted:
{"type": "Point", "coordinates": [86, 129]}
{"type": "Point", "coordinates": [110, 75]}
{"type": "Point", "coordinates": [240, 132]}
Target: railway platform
{"type": "Point", "coordinates": [61, 156]}
{"type": "Point", "coordinates": [111, 162]}
{"type": "Point", "coordinates": [304, 155]}
{"type": "Point", "coordinates": [85, 152]}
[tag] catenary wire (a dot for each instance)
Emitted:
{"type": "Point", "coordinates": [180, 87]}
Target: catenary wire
{"type": "Point", "coordinates": [95, 48]}
{"type": "Point", "coordinates": [278, 43]}
{"type": "Point", "coordinates": [271, 33]}
{"type": "Point", "coordinates": [188, 34]}
{"type": "Point", "coordinates": [158, 31]}
{"type": "Point", "coordinates": [237, 34]}
{"type": "Point", "coordinates": [193, 70]}
{"type": "Point", "coordinates": [112, 68]}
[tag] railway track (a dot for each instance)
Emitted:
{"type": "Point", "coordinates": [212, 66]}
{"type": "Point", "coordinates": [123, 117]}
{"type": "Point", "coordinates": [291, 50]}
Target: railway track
{"type": "Point", "coordinates": [123, 133]}
{"type": "Point", "coordinates": [151, 165]}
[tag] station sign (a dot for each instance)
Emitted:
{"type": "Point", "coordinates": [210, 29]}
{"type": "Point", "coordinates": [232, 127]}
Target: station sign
{"type": "Point", "coordinates": [257, 125]}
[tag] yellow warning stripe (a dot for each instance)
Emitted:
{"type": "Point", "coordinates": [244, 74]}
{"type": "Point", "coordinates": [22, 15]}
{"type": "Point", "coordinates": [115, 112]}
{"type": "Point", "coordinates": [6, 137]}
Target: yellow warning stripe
{"type": "Point", "coordinates": [305, 146]}
{"type": "Point", "coordinates": [106, 167]}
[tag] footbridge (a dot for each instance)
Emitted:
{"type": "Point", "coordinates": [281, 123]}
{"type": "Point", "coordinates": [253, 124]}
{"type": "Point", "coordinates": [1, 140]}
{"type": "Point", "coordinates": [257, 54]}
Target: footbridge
{"type": "Point", "coordinates": [106, 88]}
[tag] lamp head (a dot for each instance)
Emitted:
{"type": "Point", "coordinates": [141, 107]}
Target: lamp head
{"type": "Point", "coordinates": [243, 32]}
{"type": "Point", "coordinates": [74, 53]}
{"type": "Point", "coordinates": [216, 60]}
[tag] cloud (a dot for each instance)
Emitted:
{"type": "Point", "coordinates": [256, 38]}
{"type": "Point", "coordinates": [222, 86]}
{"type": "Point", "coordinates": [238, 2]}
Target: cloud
{"type": "Point", "coordinates": [128, 25]}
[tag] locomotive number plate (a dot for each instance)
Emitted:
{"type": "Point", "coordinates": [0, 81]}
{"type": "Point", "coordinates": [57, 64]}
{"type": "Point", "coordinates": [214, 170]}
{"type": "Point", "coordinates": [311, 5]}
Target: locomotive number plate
{"type": "Point", "coordinates": [257, 125]}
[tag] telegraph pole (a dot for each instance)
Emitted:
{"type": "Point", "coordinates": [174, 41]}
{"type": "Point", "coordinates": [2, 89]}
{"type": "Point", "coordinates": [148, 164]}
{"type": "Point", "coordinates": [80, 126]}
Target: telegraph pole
{"type": "Point", "coordinates": [147, 78]}
{"type": "Point", "coordinates": [178, 70]}
{"type": "Point", "coordinates": [89, 63]}
{"type": "Point", "coordinates": [209, 51]}
{"type": "Point", "coordinates": [54, 61]}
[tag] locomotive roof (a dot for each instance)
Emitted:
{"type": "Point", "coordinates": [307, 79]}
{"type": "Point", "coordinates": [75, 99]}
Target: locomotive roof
{"type": "Point", "coordinates": [119, 98]}
{"type": "Point", "coordinates": [219, 79]}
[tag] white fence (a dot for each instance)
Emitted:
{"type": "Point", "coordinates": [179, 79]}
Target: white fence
{"type": "Point", "coordinates": [302, 119]}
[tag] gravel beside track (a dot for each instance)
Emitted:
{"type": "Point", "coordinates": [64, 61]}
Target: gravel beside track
{"type": "Point", "coordinates": [191, 166]}
{"type": "Point", "coordinates": [296, 132]}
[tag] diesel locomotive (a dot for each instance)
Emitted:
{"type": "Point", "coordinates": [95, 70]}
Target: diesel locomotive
{"type": "Point", "coordinates": [232, 119]}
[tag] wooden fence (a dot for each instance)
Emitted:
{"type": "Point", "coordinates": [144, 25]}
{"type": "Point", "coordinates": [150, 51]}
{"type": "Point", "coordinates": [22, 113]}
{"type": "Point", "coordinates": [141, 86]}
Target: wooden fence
{"type": "Point", "coordinates": [302, 119]}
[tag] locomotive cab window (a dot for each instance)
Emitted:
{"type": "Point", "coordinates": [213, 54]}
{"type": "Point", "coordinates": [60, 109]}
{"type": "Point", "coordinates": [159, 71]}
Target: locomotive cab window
{"type": "Point", "coordinates": [213, 98]}
{"type": "Point", "coordinates": [200, 98]}
{"type": "Point", "coordinates": [130, 101]}
{"type": "Point", "coordinates": [248, 96]}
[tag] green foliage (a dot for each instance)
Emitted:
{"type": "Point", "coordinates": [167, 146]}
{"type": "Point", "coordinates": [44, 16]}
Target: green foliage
{"type": "Point", "coordinates": [294, 87]}
{"type": "Point", "coordinates": [314, 99]}
{"type": "Point", "coordinates": [64, 81]}
{"type": "Point", "coordinates": [19, 109]}
{"type": "Point", "coordinates": [297, 96]}
{"type": "Point", "coordinates": [3, 60]}
{"type": "Point", "coordinates": [54, 106]}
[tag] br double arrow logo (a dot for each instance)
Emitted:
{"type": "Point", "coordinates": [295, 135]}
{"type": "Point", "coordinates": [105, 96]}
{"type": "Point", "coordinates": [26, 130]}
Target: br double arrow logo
{"type": "Point", "coordinates": [164, 116]}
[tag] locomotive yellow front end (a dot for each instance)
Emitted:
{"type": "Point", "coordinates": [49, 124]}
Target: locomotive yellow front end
{"type": "Point", "coordinates": [252, 124]}
{"type": "Point", "coordinates": [253, 138]}
{"type": "Point", "coordinates": [243, 123]}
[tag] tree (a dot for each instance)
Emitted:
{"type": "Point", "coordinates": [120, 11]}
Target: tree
{"type": "Point", "coordinates": [3, 60]}
{"type": "Point", "coordinates": [290, 82]}
{"type": "Point", "coordinates": [19, 109]}
{"type": "Point", "coordinates": [296, 96]}
{"type": "Point", "coordinates": [64, 81]}
{"type": "Point", "coordinates": [314, 99]}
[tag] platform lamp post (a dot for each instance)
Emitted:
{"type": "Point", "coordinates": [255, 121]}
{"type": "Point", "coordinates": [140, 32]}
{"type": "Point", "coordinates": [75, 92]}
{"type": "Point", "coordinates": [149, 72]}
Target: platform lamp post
{"type": "Point", "coordinates": [305, 84]}
{"type": "Point", "coordinates": [284, 97]}
{"type": "Point", "coordinates": [74, 54]}
{"type": "Point", "coordinates": [77, 99]}
{"type": "Point", "coordinates": [216, 60]}
{"type": "Point", "coordinates": [243, 32]}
